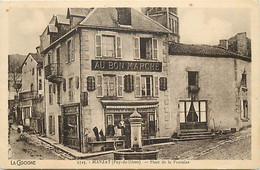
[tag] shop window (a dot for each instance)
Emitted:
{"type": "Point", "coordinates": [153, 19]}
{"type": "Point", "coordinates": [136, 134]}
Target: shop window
{"type": "Point", "coordinates": [145, 48]}
{"type": "Point", "coordinates": [108, 46]}
{"type": "Point", "coordinates": [50, 94]}
{"type": "Point", "coordinates": [71, 90]}
{"type": "Point", "coordinates": [51, 125]}
{"type": "Point", "coordinates": [244, 111]}
{"type": "Point", "coordinates": [40, 84]}
{"type": "Point", "coordinates": [90, 83]}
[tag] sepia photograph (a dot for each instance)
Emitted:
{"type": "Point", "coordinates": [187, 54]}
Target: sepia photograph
{"type": "Point", "coordinates": [119, 84]}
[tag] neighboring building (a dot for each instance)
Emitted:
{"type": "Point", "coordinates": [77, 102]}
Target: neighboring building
{"type": "Point", "coordinates": [14, 85]}
{"type": "Point", "coordinates": [106, 66]}
{"type": "Point", "coordinates": [239, 44]}
{"type": "Point", "coordinates": [32, 92]}
{"type": "Point", "coordinates": [209, 88]}
{"type": "Point", "coordinates": [168, 17]}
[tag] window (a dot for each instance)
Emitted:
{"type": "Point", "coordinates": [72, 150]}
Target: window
{"type": "Point", "coordinates": [32, 87]}
{"type": "Point", "coordinates": [58, 93]}
{"type": "Point", "coordinates": [50, 94]}
{"type": "Point", "coordinates": [51, 125]}
{"type": "Point", "coordinates": [109, 85]}
{"type": "Point", "coordinates": [70, 51]}
{"type": "Point", "coordinates": [40, 84]}
{"type": "Point", "coordinates": [244, 80]}
{"type": "Point", "coordinates": [146, 85]}
{"type": "Point", "coordinates": [49, 58]}
{"type": "Point", "coordinates": [40, 72]}
{"type": "Point", "coordinates": [108, 46]}
{"type": "Point", "coordinates": [71, 90]}
{"type": "Point", "coordinates": [33, 71]}
{"type": "Point", "coordinates": [145, 48]}
{"type": "Point", "coordinates": [244, 111]}
{"type": "Point", "coordinates": [192, 84]}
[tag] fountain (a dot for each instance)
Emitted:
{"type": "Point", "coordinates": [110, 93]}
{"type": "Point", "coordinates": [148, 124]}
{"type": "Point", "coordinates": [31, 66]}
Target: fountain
{"type": "Point", "coordinates": [136, 152]}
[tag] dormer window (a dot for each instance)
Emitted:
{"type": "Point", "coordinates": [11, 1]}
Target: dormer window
{"type": "Point", "coordinates": [124, 16]}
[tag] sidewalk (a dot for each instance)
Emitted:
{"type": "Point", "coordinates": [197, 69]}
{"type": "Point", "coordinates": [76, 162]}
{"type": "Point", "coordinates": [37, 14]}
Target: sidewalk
{"type": "Point", "coordinates": [74, 153]}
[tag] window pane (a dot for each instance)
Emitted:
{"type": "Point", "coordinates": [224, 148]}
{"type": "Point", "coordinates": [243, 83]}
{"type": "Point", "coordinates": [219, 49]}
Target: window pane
{"type": "Point", "coordinates": [203, 116]}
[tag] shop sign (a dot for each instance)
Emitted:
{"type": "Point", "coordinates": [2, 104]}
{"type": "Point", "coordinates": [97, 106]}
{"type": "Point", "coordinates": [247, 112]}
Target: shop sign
{"type": "Point", "coordinates": [110, 65]}
{"type": "Point", "coordinates": [129, 110]}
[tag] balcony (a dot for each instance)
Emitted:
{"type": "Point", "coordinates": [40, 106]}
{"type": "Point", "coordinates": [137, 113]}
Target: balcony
{"type": "Point", "coordinates": [53, 72]}
{"type": "Point", "coordinates": [27, 95]}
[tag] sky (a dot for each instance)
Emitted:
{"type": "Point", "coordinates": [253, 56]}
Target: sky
{"type": "Point", "coordinates": [197, 26]}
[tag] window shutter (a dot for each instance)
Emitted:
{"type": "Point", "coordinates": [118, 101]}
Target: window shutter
{"type": "Point", "coordinates": [53, 125]}
{"type": "Point", "coordinates": [155, 48]}
{"type": "Point", "coordinates": [64, 85]}
{"type": "Point", "coordinates": [156, 86]}
{"type": "Point", "coordinates": [136, 48]}
{"type": "Point", "coordinates": [118, 47]}
{"type": "Point", "coordinates": [90, 83]}
{"type": "Point", "coordinates": [241, 108]}
{"type": "Point", "coordinates": [99, 85]}
{"type": "Point", "coordinates": [84, 98]}
{"type": "Point", "coordinates": [50, 124]}
{"type": "Point", "coordinates": [54, 88]}
{"type": "Point", "coordinates": [163, 83]}
{"type": "Point", "coordinates": [98, 45]}
{"type": "Point", "coordinates": [120, 86]}
{"type": "Point", "coordinates": [73, 49]}
{"type": "Point", "coordinates": [77, 82]}
{"type": "Point", "coordinates": [137, 86]}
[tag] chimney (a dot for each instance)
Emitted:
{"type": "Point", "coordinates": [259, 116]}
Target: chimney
{"type": "Point", "coordinates": [242, 43]}
{"type": "Point", "coordinates": [124, 16]}
{"type": "Point", "coordinates": [38, 49]}
{"type": "Point", "coordinates": [223, 44]}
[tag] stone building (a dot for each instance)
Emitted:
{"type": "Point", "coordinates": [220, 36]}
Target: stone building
{"type": "Point", "coordinates": [168, 17]}
{"type": "Point", "coordinates": [209, 88]}
{"type": "Point", "coordinates": [100, 71]}
{"type": "Point", "coordinates": [239, 44]}
{"type": "Point", "coordinates": [31, 95]}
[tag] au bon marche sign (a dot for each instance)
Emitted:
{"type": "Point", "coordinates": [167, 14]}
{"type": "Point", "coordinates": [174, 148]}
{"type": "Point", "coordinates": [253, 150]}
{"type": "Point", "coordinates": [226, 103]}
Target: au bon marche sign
{"type": "Point", "coordinates": [110, 65]}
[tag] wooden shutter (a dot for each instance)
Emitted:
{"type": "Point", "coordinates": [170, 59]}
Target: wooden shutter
{"type": "Point", "coordinates": [53, 125]}
{"type": "Point", "coordinates": [156, 86]}
{"type": "Point", "coordinates": [136, 48]}
{"type": "Point", "coordinates": [77, 82]}
{"type": "Point", "coordinates": [72, 49]}
{"type": "Point", "coordinates": [54, 88]}
{"type": "Point", "coordinates": [64, 85]}
{"type": "Point", "coordinates": [137, 86]}
{"type": "Point", "coordinates": [120, 86]}
{"type": "Point", "coordinates": [118, 47]}
{"type": "Point", "coordinates": [84, 98]}
{"type": "Point", "coordinates": [50, 124]}
{"type": "Point", "coordinates": [90, 83]}
{"type": "Point", "coordinates": [98, 45]}
{"type": "Point", "coordinates": [242, 109]}
{"type": "Point", "coordinates": [163, 83]}
{"type": "Point", "coordinates": [99, 85]}
{"type": "Point", "coordinates": [155, 48]}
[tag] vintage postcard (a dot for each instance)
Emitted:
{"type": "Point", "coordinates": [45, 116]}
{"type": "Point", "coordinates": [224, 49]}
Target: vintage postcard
{"type": "Point", "coordinates": [135, 84]}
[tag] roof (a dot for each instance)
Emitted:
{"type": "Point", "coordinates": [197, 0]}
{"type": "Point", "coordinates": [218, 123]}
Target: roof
{"type": "Point", "coordinates": [15, 60]}
{"type": "Point", "coordinates": [107, 18]}
{"type": "Point", "coordinates": [80, 12]}
{"type": "Point", "coordinates": [203, 50]}
{"type": "Point", "coordinates": [52, 29]}
{"type": "Point", "coordinates": [37, 57]}
{"type": "Point", "coordinates": [61, 19]}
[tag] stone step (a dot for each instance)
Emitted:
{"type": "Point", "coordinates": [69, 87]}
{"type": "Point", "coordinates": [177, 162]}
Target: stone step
{"type": "Point", "coordinates": [193, 130]}
{"type": "Point", "coordinates": [195, 133]}
{"type": "Point", "coordinates": [194, 138]}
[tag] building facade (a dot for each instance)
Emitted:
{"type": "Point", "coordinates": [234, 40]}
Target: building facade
{"type": "Point", "coordinates": [31, 95]}
{"type": "Point", "coordinates": [100, 71]}
{"type": "Point", "coordinates": [213, 88]}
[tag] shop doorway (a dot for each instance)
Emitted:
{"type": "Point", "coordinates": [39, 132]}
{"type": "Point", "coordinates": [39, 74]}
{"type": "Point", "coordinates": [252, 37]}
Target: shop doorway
{"type": "Point", "coordinates": [193, 114]}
